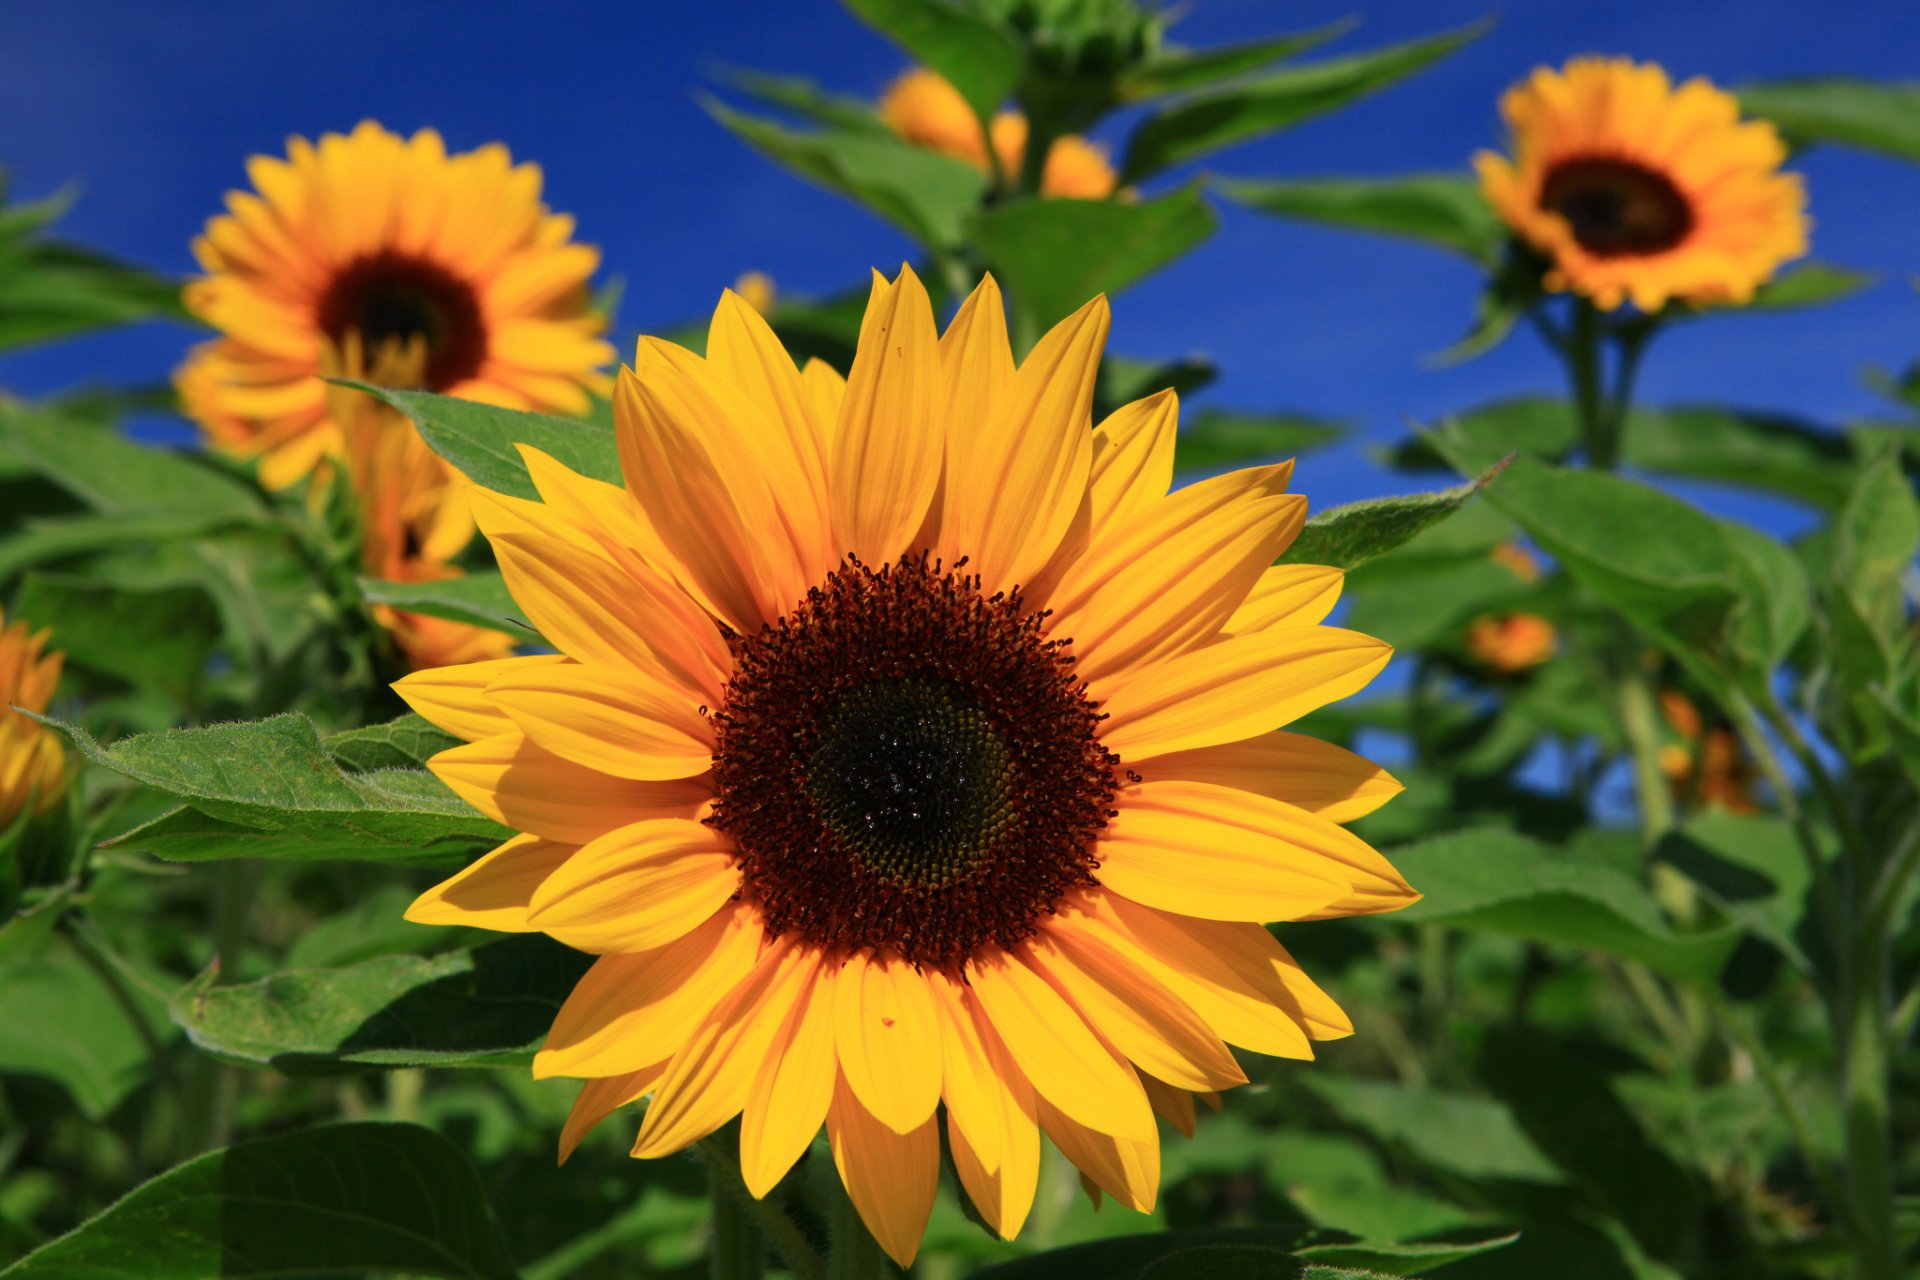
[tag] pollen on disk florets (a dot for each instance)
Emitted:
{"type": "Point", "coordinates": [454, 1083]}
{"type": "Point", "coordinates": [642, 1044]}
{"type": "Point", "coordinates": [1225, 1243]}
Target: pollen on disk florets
{"type": "Point", "coordinates": [903, 762]}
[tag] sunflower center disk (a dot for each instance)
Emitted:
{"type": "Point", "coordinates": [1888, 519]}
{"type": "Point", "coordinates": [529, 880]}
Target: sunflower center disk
{"type": "Point", "coordinates": [389, 297]}
{"type": "Point", "coordinates": [905, 763]}
{"type": "Point", "coordinates": [1617, 208]}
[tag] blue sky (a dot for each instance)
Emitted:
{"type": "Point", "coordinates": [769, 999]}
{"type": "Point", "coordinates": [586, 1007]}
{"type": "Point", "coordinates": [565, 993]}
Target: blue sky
{"type": "Point", "coordinates": [150, 110]}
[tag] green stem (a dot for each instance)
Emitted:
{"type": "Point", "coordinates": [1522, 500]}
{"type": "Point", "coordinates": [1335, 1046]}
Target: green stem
{"type": "Point", "coordinates": [765, 1219]}
{"type": "Point", "coordinates": [1585, 339]}
{"type": "Point", "coordinates": [737, 1252]}
{"type": "Point", "coordinates": [856, 1254]}
{"type": "Point", "coordinates": [1865, 1017]}
{"type": "Point", "coordinates": [1639, 722]}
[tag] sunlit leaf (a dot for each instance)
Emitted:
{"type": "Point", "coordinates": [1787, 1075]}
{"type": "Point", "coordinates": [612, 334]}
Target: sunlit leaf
{"type": "Point", "coordinates": [405, 743]}
{"type": "Point", "coordinates": [1216, 439]}
{"type": "Point", "coordinates": [1347, 537]}
{"type": "Point", "coordinates": [479, 439]}
{"type": "Point", "coordinates": [979, 59]}
{"type": "Point", "coordinates": [1182, 70]}
{"type": "Point", "coordinates": [1847, 112]}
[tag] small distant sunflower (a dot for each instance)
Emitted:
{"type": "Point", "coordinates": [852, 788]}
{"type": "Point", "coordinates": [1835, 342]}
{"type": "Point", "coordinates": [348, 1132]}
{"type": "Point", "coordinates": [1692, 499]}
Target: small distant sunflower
{"type": "Point", "coordinates": [414, 518]}
{"type": "Point", "coordinates": [924, 109]}
{"type": "Point", "coordinates": [1706, 764]}
{"type": "Point", "coordinates": [32, 766]}
{"type": "Point", "coordinates": [382, 239]}
{"type": "Point", "coordinates": [908, 743]}
{"type": "Point", "coordinates": [1639, 191]}
{"type": "Point", "coordinates": [1512, 642]}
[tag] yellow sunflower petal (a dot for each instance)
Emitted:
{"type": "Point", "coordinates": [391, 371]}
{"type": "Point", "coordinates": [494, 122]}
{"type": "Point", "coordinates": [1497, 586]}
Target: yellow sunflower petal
{"type": "Point", "coordinates": [1240, 687]}
{"type": "Point", "coordinates": [890, 1177]}
{"type": "Point", "coordinates": [1127, 1169]}
{"type": "Point", "coordinates": [1154, 1028]}
{"type": "Point", "coordinates": [1133, 459]}
{"type": "Point", "coordinates": [1305, 772]}
{"type": "Point", "coordinates": [1055, 1050]}
{"type": "Point", "coordinates": [1003, 1193]}
{"type": "Point", "coordinates": [1221, 826]}
{"type": "Point", "coordinates": [1019, 475]}
{"type": "Point", "coordinates": [825, 389]}
{"type": "Point", "coordinates": [630, 1008]}
{"type": "Point", "coordinates": [1175, 1106]}
{"type": "Point", "coordinates": [601, 1098]}
{"type": "Point", "coordinates": [637, 888]}
{"type": "Point", "coordinates": [455, 698]}
{"type": "Point", "coordinates": [742, 348]}
{"type": "Point", "coordinates": [887, 448]}
{"type": "Point", "coordinates": [712, 1075]}
{"type": "Point", "coordinates": [1287, 595]}
{"type": "Point", "coordinates": [1228, 972]}
{"type": "Point", "coordinates": [887, 1036]}
{"type": "Point", "coordinates": [621, 724]}
{"type": "Point", "coordinates": [788, 1102]}
{"type": "Point", "coordinates": [517, 782]}
{"type": "Point", "coordinates": [494, 892]}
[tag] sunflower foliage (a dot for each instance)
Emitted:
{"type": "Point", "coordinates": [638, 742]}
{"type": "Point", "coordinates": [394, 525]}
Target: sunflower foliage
{"type": "Point", "coordinates": [291, 964]}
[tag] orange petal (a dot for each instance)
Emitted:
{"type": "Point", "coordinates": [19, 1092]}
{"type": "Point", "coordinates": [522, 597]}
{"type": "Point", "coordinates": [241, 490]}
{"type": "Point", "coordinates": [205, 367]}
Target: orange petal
{"type": "Point", "coordinates": [1126, 1169]}
{"type": "Point", "coordinates": [1236, 689]}
{"type": "Point", "coordinates": [601, 1098]}
{"type": "Point", "coordinates": [890, 1177]}
{"type": "Point", "coordinates": [637, 888]}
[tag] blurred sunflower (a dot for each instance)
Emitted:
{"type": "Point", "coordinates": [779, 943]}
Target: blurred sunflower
{"type": "Point", "coordinates": [379, 239]}
{"type": "Point", "coordinates": [908, 742]}
{"type": "Point", "coordinates": [414, 517]}
{"type": "Point", "coordinates": [924, 109]}
{"type": "Point", "coordinates": [1639, 191]}
{"type": "Point", "coordinates": [1707, 764]}
{"type": "Point", "coordinates": [1510, 643]}
{"type": "Point", "coordinates": [32, 766]}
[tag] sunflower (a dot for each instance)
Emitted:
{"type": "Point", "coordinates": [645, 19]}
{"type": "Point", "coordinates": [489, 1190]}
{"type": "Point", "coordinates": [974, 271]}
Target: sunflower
{"type": "Point", "coordinates": [414, 518]}
{"type": "Point", "coordinates": [386, 238]}
{"type": "Point", "coordinates": [924, 109]}
{"type": "Point", "coordinates": [32, 768]}
{"type": "Point", "coordinates": [1706, 764]}
{"type": "Point", "coordinates": [1637, 190]}
{"type": "Point", "coordinates": [908, 743]}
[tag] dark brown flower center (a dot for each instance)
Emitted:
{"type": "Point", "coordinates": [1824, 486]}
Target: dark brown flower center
{"type": "Point", "coordinates": [391, 297]}
{"type": "Point", "coordinates": [905, 763]}
{"type": "Point", "coordinates": [1616, 207]}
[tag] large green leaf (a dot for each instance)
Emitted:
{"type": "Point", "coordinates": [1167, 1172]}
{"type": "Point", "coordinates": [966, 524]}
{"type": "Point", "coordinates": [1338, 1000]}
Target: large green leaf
{"type": "Point", "coordinates": [1443, 209]}
{"type": "Point", "coordinates": [478, 599]}
{"type": "Point", "coordinates": [113, 475]}
{"type": "Point", "coordinates": [1347, 537]}
{"type": "Point", "coordinates": [1285, 1252]}
{"type": "Point", "coordinates": [805, 98]}
{"type": "Point", "coordinates": [1055, 255]}
{"type": "Point", "coordinates": [922, 192]}
{"type": "Point", "coordinates": [65, 1023]}
{"type": "Point", "coordinates": [1500, 882]}
{"type": "Point", "coordinates": [1752, 867]}
{"type": "Point", "coordinates": [1873, 116]}
{"type": "Point", "coordinates": [479, 439]}
{"type": "Point", "coordinates": [1195, 126]}
{"type": "Point", "coordinates": [340, 1200]}
{"type": "Point", "coordinates": [1455, 1133]}
{"type": "Point", "coordinates": [405, 743]}
{"type": "Point", "coordinates": [159, 636]}
{"type": "Point", "coordinates": [268, 789]}
{"type": "Point", "coordinates": [488, 1007]}
{"type": "Point", "coordinates": [50, 289]}
{"type": "Point", "coordinates": [1215, 439]}
{"type": "Point", "coordinates": [1184, 70]}
{"type": "Point", "coordinates": [979, 59]}
{"type": "Point", "coordinates": [1809, 284]}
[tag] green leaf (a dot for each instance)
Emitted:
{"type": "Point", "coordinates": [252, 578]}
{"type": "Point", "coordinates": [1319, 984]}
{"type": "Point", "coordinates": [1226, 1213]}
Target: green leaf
{"type": "Point", "coordinates": [478, 599]}
{"type": "Point", "coordinates": [805, 98]}
{"type": "Point", "coordinates": [1810, 284]}
{"type": "Point", "coordinates": [925, 194]}
{"type": "Point", "coordinates": [1183, 70]}
{"type": "Point", "coordinates": [1875, 542]}
{"type": "Point", "coordinates": [50, 289]}
{"type": "Point", "coordinates": [1870, 115]}
{"type": "Point", "coordinates": [268, 788]}
{"type": "Point", "coordinates": [1500, 882]}
{"type": "Point", "coordinates": [1216, 439]}
{"type": "Point", "coordinates": [45, 541]}
{"type": "Point", "coordinates": [1515, 287]}
{"type": "Point", "coordinates": [1196, 126]}
{"type": "Point", "coordinates": [1347, 537]}
{"type": "Point", "coordinates": [1568, 1106]}
{"type": "Point", "coordinates": [1122, 381]}
{"type": "Point", "coordinates": [1130, 1257]}
{"type": "Point", "coordinates": [1055, 255]}
{"type": "Point", "coordinates": [1753, 869]}
{"type": "Point", "coordinates": [1770, 451]}
{"type": "Point", "coordinates": [64, 1023]}
{"type": "Point", "coordinates": [488, 1007]}
{"type": "Point", "coordinates": [348, 1199]}
{"type": "Point", "coordinates": [1475, 1138]}
{"type": "Point", "coordinates": [1442, 209]}
{"type": "Point", "coordinates": [1224, 1262]}
{"type": "Point", "coordinates": [979, 59]}
{"type": "Point", "coordinates": [479, 439]}
{"type": "Point", "coordinates": [1414, 1259]}
{"type": "Point", "coordinates": [159, 637]}
{"type": "Point", "coordinates": [113, 475]}
{"type": "Point", "coordinates": [405, 743]}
